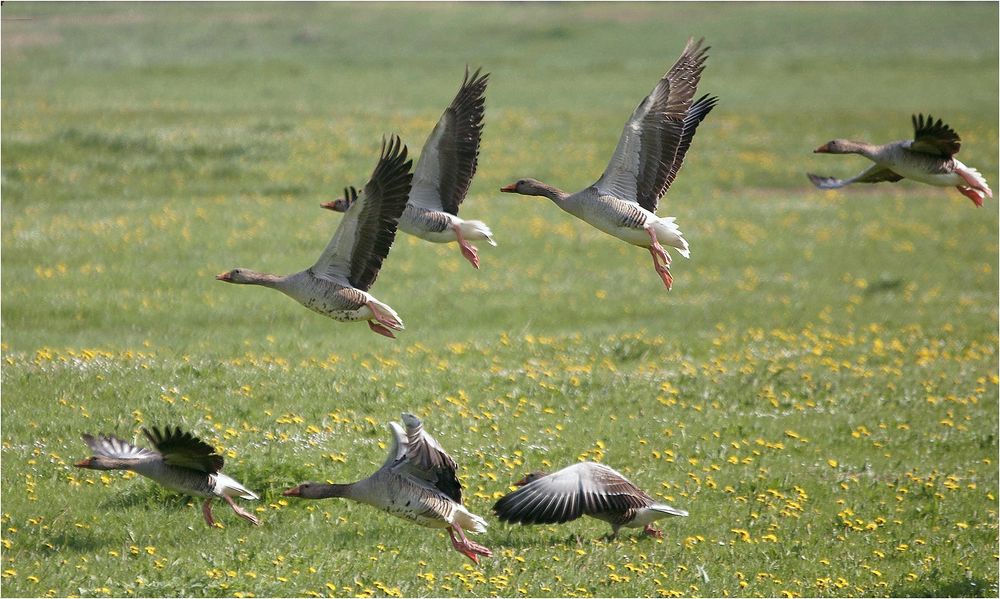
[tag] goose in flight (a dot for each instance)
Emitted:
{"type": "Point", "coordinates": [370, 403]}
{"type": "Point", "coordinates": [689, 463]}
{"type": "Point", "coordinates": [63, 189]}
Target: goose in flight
{"type": "Point", "coordinates": [650, 151]}
{"type": "Point", "coordinates": [337, 285]}
{"type": "Point", "coordinates": [181, 462]}
{"type": "Point", "coordinates": [417, 482]}
{"type": "Point", "coordinates": [928, 158]}
{"type": "Point", "coordinates": [583, 489]}
{"type": "Point", "coordinates": [443, 174]}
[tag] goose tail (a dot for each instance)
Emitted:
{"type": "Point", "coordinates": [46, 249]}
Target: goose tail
{"type": "Point", "coordinates": [668, 233]}
{"type": "Point", "coordinates": [477, 229]}
{"type": "Point", "coordinates": [469, 521]}
{"type": "Point", "coordinates": [225, 485]}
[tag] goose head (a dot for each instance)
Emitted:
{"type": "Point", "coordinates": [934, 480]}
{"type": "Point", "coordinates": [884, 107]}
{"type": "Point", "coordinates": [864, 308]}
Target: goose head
{"type": "Point", "coordinates": [838, 146]}
{"type": "Point", "coordinates": [240, 276]}
{"type": "Point", "coordinates": [99, 463]}
{"type": "Point", "coordinates": [338, 205]}
{"type": "Point", "coordinates": [525, 187]}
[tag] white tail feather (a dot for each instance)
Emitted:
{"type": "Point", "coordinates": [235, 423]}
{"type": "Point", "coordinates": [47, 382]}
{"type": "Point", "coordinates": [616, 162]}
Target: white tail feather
{"type": "Point", "coordinates": [668, 233]}
{"type": "Point", "coordinates": [477, 229]}
{"type": "Point", "coordinates": [985, 187]}
{"type": "Point", "coordinates": [225, 485]}
{"type": "Point", "coordinates": [469, 521]}
{"type": "Point", "coordinates": [666, 509]}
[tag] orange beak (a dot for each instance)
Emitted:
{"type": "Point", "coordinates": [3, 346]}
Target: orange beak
{"type": "Point", "coordinates": [83, 463]}
{"type": "Point", "coordinates": [328, 205]}
{"type": "Point", "coordinates": [512, 188]}
{"type": "Point", "coordinates": [222, 277]}
{"type": "Point", "coordinates": [823, 149]}
{"type": "Point", "coordinates": [293, 492]}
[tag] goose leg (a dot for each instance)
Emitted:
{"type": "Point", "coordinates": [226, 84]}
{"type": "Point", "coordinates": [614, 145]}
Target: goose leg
{"type": "Point", "coordinates": [206, 510]}
{"type": "Point", "coordinates": [383, 321]}
{"type": "Point", "coordinates": [972, 194]}
{"type": "Point", "coordinates": [468, 250]}
{"type": "Point", "coordinates": [661, 259]}
{"type": "Point", "coordinates": [241, 512]}
{"type": "Point", "coordinates": [463, 545]}
{"type": "Point", "coordinates": [656, 533]}
{"type": "Point", "coordinates": [380, 329]}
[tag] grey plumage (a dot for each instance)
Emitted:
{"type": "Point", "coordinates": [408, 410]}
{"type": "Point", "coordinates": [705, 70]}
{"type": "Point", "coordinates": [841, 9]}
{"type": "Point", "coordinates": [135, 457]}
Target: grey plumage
{"type": "Point", "coordinates": [583, 489]}
{"type": "Point", "coordinates": [928, 158]}
{"type": "Point", "coordinates": [337, 284]}
{"type": "Point", "coordinates": [417, 482]}
{"type": "Point", "coordinates": [181, 462]}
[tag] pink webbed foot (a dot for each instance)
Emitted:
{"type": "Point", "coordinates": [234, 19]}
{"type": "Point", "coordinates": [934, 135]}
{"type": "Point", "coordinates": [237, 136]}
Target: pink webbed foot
{"type": "Point", "coordinates": [656, 533]}
{"type": "Point", "coordinates": [380, 329]}
{"type": "Point", "coordinates": [470, 253]}
{"type": "Point", "coordinates": [463, 545]}
{"type": "Point", "coordinates": [661, 259]}
{"type": "Point", "coordinates": [972, 194]}
{"type": "Point", "coordinates": [206, 510]}
{"type": "Point", "coordinates": [468, 250]}
{"type": "Point", "coordinates": [383, 321]}
{"type": "Point", "coordinates": [974, 184]}
{"type": "Point", "coordinates": [241, 512]}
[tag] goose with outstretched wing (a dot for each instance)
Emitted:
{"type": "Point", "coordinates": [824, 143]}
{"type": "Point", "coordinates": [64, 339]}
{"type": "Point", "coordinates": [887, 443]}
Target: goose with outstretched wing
{"type": "Point", "coordinates": [584, 489]}
{"type": "Point", "coordinates": [928, 158]}
{"type": "Point", "coordinates": [443, 175]}
{"type": "Point", "coordinates": [181, 462]}
{"type": "Point", "coordinates": [417, 482]}
{"type": "Point", "coordinates": [650, 152]}
{"type": "Point", "coordinates": [337, 285]}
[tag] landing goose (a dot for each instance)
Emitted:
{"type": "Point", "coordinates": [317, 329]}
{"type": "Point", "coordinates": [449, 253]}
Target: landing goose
{"type": "Point", "coordinates": [650, 152]}
{"type": "Point", "coordinates": [337, 285]}
{"type": "Point", "coordinates": [584, 489]}
{"type": "Point", "coordinates": [417, 482]}
{"type": "Point", "coordinates": [443, 175]}
{"type": "Point", "coordinates": [928, 158]}
{"type": "Point", "coordinates": [181, 462]}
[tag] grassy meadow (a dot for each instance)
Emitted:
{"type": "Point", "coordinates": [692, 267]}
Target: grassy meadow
{"type": "Point", "coordinates": [819, 389]}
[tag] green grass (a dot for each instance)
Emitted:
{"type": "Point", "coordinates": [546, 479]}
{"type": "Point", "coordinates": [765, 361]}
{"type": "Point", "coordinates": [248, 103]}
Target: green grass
{"type": "Point", "coordinates": [819, 390]}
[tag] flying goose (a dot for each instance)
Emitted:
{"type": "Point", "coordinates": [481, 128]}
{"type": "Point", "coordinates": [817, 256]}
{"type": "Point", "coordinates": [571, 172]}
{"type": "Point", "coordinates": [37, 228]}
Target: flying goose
{"type": "Point", "coordinates": [417, 482]}
{"type": "Point", "coordinates": [586, 488]}
{"type": "Point", "coordinates": [928, 158]}
{"type": "Point", "coordinates": [649, 154]}
{"type": "Point", "coordinates": [443, 174]}
{"type": "Point", "coordinates": [337, 285]}
{"type": "Point", "coordinates": [181, 462]}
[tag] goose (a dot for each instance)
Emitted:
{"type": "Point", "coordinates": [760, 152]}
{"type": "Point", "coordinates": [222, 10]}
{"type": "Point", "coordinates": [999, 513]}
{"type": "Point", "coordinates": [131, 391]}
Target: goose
{"type": "Point", "coordinates": [928, 158]}
{"type": "Point", "coordinates": [586, 488]}
{"type": "Point", "coordinates": [417, 482]}
{"type": "Point", "coordinates": [181, 462]}
{"type": "Point", "coordinates": [650, 151]}
{"type": "Point", "coordinates": [337, 285]}
{"type": "Point", "coordinates": [443, 174]}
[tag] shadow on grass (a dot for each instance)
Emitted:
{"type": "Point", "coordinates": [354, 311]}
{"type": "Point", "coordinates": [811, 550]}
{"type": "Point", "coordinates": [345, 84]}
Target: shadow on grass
{"type": "Point", "coordinates": [79, 541]}
{"type": "Point", "coordinates": [507, 539]}
{"type": "Point", "coordinates": [965, 587]}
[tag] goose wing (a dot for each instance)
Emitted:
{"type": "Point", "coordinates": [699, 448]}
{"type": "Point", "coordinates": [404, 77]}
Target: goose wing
{"type": "Point", "coordinates": [113, 447]}
{"type": "Point", "coordinates": [873, 174]}
{"type": "Point", "coordinates": [362, 241]}
{"type": "Point", "coordinates": [585, 488]}
{"type": "Point", "coordinates": [184, 450]}
{"type": "Point", "coordinates": [398, 449]}
{"type": "Point", "coordinates": [935, 138]}
{"type": "Point", "coordinates": [450, 155]}
{"type": "Point", "coordinates": [426, 462]}
{"type": "Point", "coordinates": [659, 133]}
